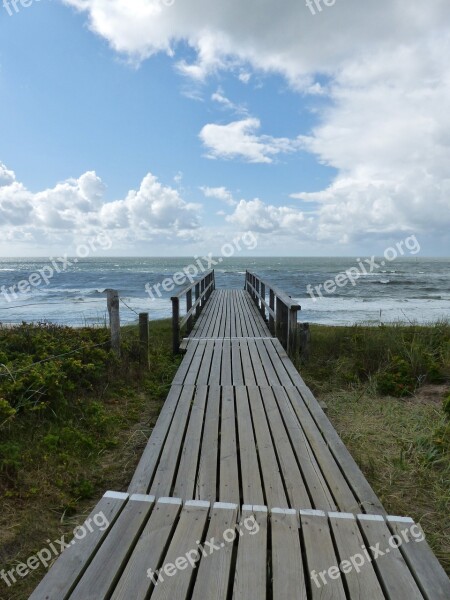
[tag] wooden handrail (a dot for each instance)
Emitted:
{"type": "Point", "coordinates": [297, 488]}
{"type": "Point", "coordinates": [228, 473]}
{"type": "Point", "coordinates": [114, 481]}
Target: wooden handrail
{"type": "Point", "coordinates": [203, 288]}
{"type": "Point", "coordinates": [282, 310]}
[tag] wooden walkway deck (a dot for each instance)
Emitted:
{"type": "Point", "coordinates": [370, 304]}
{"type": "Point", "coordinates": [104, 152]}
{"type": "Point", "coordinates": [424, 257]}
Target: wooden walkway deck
{"type": "Point", "coordinates": [242, 447]}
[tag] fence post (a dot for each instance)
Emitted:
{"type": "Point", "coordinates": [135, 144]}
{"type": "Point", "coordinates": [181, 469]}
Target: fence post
{"type": "Point", "coordinates": [272, 307]}
{"type": "Point", "coordinates": [188, 308]}
{"type": "Point", "coordinates": [143, 338]}
{"type": "Point", "coordinates": [292, 331]}
{"type": "Point", "coordinates": [197, 296]}
{"type": "Point", "coordinates": [114, 320]}
{"type": "Point", "coordinates": [305, 341]}
{"type": "Point", "coordinates": [263, 306]}
{"type": "Point", "coordinates": [175, 325]}
{"type": "Point", "coordinates": [202, 289]}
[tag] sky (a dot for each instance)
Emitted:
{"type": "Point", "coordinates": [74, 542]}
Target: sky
{"type": "Point", "coordinates": [175, 126]}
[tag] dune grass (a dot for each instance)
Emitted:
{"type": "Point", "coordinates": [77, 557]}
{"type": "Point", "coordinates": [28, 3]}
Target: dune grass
{"type": "Point", "coordinates": [387, 392]}
{"type": "Point", "coordinates": [71, 428]}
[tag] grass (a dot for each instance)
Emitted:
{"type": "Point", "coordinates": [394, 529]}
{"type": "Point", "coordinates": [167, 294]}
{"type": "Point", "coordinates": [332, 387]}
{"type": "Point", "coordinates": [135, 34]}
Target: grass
{"type": "Point", "coordinates": [385, 390]}
{"type": "Point", "coordinates": [75, 426]}
{"type": "Point", "coordinates": [71, 428]}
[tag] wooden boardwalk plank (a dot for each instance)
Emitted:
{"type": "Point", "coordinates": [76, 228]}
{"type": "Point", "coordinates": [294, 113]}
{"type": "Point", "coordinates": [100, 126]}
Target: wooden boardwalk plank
{"type": "Point", "coordinates": [273, 483]}
{"type": "Point", "coordinates": [100, 577]}
{"type": "Point", "coordinates": [167, 466]}
{"type": "Point", "coordinates": [187, 472]}
{"type": "Point", "coordinates": [213, 579]}
{"type": "Point", "coordinates": [433, 581]}
{"type": "Point", "coordinates": [146, 559]}
{"type": "Point", "coordinates": [337, 484]}
{"type": "Point", "coordinates": [349, 543]}
{"type": "Point", "coordinates": [316, 483]}
{"type": "Point", "coordinates": [320, 556]}
{"type": "Point", "coordinates": [287, 563]}
{"type": "Point", "coordinates": [190, 530]}
{"type": "Point", "coordinates": [393, 570]}
{"type": "Point", "coordinates": [248, 456]}
{"type": "Point", "coordinates": [292, 477]}
{"type": "Point", "coordinates": [229, 473]}
{"type": "Point", "coordinates": [208, 469]}
{"type": "Point", "coordinates": [147, 465]}
{"type": "Point", "coordinates": [250, 579]}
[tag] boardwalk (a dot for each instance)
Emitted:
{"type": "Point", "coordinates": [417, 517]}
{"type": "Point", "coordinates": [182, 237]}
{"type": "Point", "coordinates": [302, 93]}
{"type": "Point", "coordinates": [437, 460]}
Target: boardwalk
{"type": "Point", "coordinates": [245, 491]}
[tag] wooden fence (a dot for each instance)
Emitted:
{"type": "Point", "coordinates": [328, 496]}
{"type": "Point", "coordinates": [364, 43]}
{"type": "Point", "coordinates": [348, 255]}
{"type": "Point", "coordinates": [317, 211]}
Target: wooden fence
{"type": "Point", "coordinates": [282, 311]}
{"type": "Point", "coordinates": [197, 294]}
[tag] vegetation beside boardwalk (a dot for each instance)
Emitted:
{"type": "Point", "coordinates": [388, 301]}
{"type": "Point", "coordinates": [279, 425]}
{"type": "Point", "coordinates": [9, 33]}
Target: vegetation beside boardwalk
{"type": "Point", "coordinates": [70, 428]}
{"type": "Point", "coordinates": [388, 395]}
{"type": "Point", "coordinates": [74, 426]}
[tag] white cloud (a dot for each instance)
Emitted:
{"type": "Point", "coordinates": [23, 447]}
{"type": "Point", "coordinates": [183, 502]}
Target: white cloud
{"type": "Point", "coordinates": [266, 218]}
{"type": "Point", "coordinates": [240, 140]}
{"type": "Point", "coordinates": [78, 207]}
{"type": "Point", "coordinates": [220, 193]}
{"type": "Point", "coordinates": [383, 65]}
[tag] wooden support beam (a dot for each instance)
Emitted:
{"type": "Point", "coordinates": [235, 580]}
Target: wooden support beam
{"type": "Point", "coordinates": [114, 320]}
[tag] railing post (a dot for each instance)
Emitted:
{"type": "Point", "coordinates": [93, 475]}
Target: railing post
{"type": "Point", "coordinates": [263, 295]}
{"type": "Point", "coordinates": [176, 325]}
{"type": "Point", "coordinates": [292, 331]}
{"type": "Point", "coordinates": [143, 338]}
{"type": "Point", "coordinates": [197, 296]}
{"type": "Point", "coordinates": [188, 308]}
{"type": "Point", "coordinates": [202, 289]}
{"type": "Point", "coordinates": [272, 307]}
{"type": "Point", "coordinates": [279, 320]}
{"type": "Point", "coordinates": [114, 320]}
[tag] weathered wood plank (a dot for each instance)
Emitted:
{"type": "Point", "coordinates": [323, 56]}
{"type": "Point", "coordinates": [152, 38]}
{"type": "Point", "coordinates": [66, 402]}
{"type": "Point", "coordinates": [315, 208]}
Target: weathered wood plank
{"type": "Point", "coordinates": [190, 530]}
{"type": "Point", "coordinates": [349, 543]}
{"type": "Point", "coordinates": [208, 468]}
{"type": "Point", "coordinates": [272, 479]}
{"type": "Point", "coordinates": [287, 564]}
{"type": "Point", "coordinates": [144, 473]}
{"type": "Point", "coordinates": [293, 481]}
{"type": "Point", "coordinates": [168, 463]}
{"type": "Point", "coordinates": [213, 579]}
{"type": "Point", "coordinates": [433, 581]}
{"type": "Point", "coordinates": [320, 556]}
{"type": "Point", "coordinates": [250, 578]}
{"type": "Point", "coordinates": [391, 566]}
{"type": "Point", "coordinates": [142, 568]}
{"type": "Point", "coordinates": [229, 474]}
{"type": "Point", "coordinates": [103, 572]}
{"type": "Point", "coordinates": [315, 481]}
{"type": "Point", "coordinates": [186, 477]}
{"type": "Point", "coordinates": [248, 456]}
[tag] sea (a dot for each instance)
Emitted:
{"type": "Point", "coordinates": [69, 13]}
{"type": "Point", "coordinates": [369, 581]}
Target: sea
{"type": "Point", "coordinates": [409, 290]}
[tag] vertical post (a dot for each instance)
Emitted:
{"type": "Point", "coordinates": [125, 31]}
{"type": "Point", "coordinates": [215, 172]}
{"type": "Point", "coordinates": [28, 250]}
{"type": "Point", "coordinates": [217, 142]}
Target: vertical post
{"type": "Point", "coordinates": [114, 320]}
{"type": "Point", "coordinates": [263, 295]}
{"type": "Point", "coordinates": [292, 331]}
{"type": "Point", "coordinates": [175, 324]}
{"type": "Point", "coordinates": [190, 320]}
{"type": "Point", "coordinates": [279, 321]}
{"type": "Point", "coordinates": [272, 306]}
{"type": "Point", "coordinates": [202, 289]}
{"type": "Point", "coordinates": [197, 296]}
{"type": "Point", "coordinates": [305, 341]}
{"type": "Point", "coordinates": [257, 294]}
{"type": "Point", "coordinates": [143, 338]}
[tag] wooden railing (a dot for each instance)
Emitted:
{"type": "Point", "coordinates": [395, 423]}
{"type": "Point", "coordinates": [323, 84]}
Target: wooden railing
{"type": "Point", "coordinates": [202, 290]}
{"type": "Point", "coordinates": [282, 311]}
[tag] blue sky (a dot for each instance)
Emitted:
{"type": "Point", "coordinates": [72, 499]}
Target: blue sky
{"type": "Point", "coordinates": [248, 138]}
